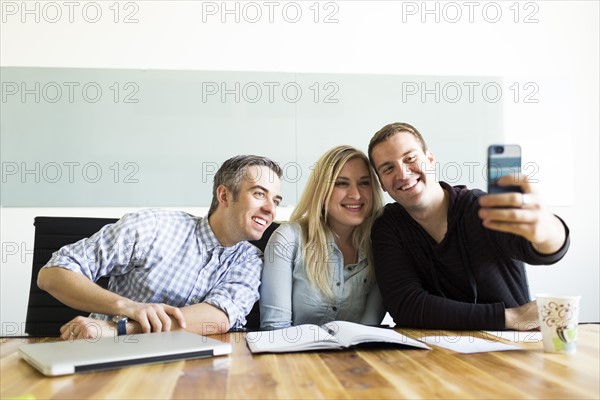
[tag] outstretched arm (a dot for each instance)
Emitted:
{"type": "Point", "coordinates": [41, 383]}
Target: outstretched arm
{"type": "Point", "coordinates": [523, 214]}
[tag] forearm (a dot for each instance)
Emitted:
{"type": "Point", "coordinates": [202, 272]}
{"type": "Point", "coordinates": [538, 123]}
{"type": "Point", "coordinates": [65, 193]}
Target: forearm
{"type": "Point", "coordinates": [427, 311]}
{"type": "Point", "coordinates": [79, 292]}
{"type": "Point", "coordinates": [413, 306]}
{"type": "Point", "coordinates": [204, 319]}
{"type": "Point", "coordinates": [557, 237]}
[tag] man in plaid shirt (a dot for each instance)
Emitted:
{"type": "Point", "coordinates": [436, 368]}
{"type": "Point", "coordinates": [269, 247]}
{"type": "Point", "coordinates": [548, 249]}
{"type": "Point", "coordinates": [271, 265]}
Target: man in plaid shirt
{"type": "Point", "coordinates": [168, 269]}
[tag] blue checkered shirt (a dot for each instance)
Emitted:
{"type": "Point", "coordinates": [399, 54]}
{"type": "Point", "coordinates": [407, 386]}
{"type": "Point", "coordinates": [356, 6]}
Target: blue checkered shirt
{"type": "Point", "coordinates": [171, 257]}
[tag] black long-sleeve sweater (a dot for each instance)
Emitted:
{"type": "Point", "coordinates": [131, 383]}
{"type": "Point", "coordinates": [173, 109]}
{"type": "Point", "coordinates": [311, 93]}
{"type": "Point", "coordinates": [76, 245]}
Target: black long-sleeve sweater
{"type": "Point", "coordinates": [464, 282]}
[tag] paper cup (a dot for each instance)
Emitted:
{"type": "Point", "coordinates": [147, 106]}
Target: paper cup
{"type": "Point", "coordinates": [559, 316]}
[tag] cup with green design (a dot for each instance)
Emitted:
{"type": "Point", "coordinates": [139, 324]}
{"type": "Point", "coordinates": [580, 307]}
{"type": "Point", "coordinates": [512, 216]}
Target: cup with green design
{"type": "Point", "coordinates": [559, 317]}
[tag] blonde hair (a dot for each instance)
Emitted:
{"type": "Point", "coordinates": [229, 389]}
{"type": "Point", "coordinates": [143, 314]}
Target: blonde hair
{"type": "Point", "coordinates": [311, 214]}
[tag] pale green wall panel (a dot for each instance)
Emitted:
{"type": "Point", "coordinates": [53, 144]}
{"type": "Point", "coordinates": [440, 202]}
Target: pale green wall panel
{"type": "Point", "coordinates": [103, 137]}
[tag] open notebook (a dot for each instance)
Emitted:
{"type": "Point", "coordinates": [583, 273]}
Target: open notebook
{"type": "Point", "coordinates": [67, 357]}
{"type": "Point", "coordinates": [332, 335]}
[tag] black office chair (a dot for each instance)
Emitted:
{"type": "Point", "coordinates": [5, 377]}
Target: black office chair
{"type": "Point", "coordinates": [45, 314]}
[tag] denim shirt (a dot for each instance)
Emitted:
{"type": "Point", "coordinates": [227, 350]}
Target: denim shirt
{"type": "Point", "coordinates": [288, 298]}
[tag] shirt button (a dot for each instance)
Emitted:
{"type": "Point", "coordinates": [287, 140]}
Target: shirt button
{"type": "Point", "coordinates": [349, 268]}
{"type": "Point", "coordinates": [338, 284]}
{"type": "Point", "coordinates": [334, 308]}
{"type": "Point", "coordinates": [365, 281]}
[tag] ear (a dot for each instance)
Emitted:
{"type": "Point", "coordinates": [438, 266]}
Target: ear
{"type": "Point", "coordinates": [223, 195]}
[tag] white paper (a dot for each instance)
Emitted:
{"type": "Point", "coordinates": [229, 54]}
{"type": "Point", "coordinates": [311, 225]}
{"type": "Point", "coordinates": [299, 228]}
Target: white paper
{"type": "Point", "coordinates": [517, 336]}
{"type": "Point", "coordinates": [467, 344]}
{"type": "Point", "coordinates": [350, 333]}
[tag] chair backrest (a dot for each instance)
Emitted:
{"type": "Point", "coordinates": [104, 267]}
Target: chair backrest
{"type": "Point", "coordinates": [45, 314]}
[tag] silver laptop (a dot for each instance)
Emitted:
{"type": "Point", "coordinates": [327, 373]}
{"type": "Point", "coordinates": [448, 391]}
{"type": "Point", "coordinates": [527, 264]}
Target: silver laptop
{"type": "Point", "coordinates": [68, 357]}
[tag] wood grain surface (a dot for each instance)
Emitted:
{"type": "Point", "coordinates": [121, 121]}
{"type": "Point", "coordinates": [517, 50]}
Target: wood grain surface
{"type": "Point", "coordinates": [365, 373]}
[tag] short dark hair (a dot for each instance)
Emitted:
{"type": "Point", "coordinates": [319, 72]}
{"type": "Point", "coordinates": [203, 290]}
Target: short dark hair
{"type": "Point", "coordinates": [390, 130]}
{"type": "Point", "coordinates": [233, 171]}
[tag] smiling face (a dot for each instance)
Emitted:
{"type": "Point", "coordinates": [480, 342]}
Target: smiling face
{"type": "Point", "coordinates": [406, 172]}
{"type": "Point", "coordinates": [351, 200]}
{"type": "Point", "coordinates": [254, 208]}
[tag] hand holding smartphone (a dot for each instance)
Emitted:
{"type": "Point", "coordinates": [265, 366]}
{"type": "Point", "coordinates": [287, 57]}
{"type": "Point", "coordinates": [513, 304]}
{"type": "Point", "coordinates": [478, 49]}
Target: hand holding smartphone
{"type": "Point", "coordinates": [503, 159]}
{"type": "Point", "coordinates": [541, 228]}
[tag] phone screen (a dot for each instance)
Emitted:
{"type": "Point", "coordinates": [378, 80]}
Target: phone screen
{"type": "Point", "coordinates": [503, 159]}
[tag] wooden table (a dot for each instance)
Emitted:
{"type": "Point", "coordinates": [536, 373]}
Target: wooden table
{"type": "Point", "coordinates": [352, 374]}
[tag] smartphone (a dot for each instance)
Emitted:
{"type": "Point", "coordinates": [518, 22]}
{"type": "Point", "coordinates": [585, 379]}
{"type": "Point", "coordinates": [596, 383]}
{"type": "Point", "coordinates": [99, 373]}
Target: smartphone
{"type": "Point", "coordinates": [503, 159]}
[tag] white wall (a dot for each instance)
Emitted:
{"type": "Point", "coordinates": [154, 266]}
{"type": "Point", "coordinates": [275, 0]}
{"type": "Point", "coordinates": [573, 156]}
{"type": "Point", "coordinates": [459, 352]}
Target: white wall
{"type": "Point", "coordinates": [548, 51]}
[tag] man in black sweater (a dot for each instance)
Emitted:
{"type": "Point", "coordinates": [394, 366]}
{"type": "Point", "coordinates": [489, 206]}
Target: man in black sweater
{"type": "Point", "coordinates": [451, 258]}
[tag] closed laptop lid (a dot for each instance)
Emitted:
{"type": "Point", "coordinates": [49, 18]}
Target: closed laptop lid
{"type": "Point", "coordinates": [67, 357]}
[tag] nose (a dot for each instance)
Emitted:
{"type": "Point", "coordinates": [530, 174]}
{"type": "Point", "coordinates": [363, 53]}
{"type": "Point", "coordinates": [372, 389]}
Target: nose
{"type": "Point", "coordinates": [269, 206]}
{"type": "Point", "coordinates": [402, 171]}
{"type": "Point", "coordinates": [353, 192]}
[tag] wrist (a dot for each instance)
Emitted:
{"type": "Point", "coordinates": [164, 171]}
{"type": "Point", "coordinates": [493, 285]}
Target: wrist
{"type": "Point", "coordinates": [133, 327]}
{"type": "Point", "coordinates": [555, 240]}
{"type": "Point", "coordinates": [122, 306]}
{"type": "Point", "coordinates": [120, 322]}
{"type": "Point", "coordinates": [509, 318]}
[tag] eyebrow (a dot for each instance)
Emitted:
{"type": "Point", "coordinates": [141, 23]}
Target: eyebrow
{"type": "Point", "coordinates": [359, 178]}
{"type": "Point", "coordinates": [390, 162]}
{"type": "Point", "coordinates": [386, 163]}
{"type": "Point", "coordinates": [264, 189]}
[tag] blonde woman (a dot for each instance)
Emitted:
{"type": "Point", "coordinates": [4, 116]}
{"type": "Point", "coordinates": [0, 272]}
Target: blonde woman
{"type": "Point", "coordinates": [319, 267]}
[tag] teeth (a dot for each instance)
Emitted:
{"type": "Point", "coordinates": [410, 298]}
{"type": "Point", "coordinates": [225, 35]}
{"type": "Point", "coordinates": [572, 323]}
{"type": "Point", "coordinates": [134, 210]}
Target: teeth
{"type": "Point", "coordinates": [354, 207]}
{"type": "Point", "coordinates": [259, 221]}
{"type": "Point", "coordinates": [409, 185]}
